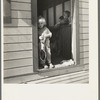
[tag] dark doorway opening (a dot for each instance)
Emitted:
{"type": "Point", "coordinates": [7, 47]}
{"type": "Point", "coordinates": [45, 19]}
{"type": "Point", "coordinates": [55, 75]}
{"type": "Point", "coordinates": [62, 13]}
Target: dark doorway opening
{"type": "Point", "coordinates": [61, 39]}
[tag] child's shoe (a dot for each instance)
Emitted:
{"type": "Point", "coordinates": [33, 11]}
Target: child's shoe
{"type": "Point", "coordinates": [46, 67]}
{"type": "Point", "coordinates": [51, 66]}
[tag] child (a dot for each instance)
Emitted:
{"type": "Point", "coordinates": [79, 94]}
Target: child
{"type": "Point", "coordinates": [44, 37]}
{"type": "Point", "coordinates": [66, 17]}
{"type": "Point", "coordinates": [61, 21]}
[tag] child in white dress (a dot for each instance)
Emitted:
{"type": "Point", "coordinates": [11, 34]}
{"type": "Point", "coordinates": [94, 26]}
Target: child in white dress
{"type": "Point", "coordinates": [44, 42]}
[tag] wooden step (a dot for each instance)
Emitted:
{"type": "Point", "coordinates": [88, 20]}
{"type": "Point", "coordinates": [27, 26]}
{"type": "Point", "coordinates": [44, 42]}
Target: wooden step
{"type": "Point", "coordinates": [43, 74]}
{"type": "Point", "coordinates": [67, 78]}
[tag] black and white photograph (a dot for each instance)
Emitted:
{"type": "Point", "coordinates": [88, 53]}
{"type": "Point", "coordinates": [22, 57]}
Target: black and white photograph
{"type": "Point", "coordinates": [49, 50]}
{"type": "Point", "coordinates": [46, 41]}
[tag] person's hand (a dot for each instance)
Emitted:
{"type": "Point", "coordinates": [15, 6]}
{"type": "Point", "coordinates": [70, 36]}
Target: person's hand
{"type": "Point", "coordinates": [43, 40]}
{"type": "Point", "coordinates": [57, 23]}
{"type": "Point", "coordinates": [41, 37]}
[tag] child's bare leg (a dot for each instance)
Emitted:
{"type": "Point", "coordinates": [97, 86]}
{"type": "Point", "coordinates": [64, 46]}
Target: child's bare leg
{"type": "Point", "coordinates": [48, 53]}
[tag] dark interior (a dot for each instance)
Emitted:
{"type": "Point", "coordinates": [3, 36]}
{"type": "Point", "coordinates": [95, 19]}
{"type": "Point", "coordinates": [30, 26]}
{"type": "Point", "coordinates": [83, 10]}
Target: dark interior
{"type": "Point", "coordinates": [65, 30]}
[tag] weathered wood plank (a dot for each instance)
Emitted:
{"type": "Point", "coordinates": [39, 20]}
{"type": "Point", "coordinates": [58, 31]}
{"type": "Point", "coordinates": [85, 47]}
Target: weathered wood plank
{"type": "Point", "coordinates": [21, 14]}
{"type": "Point", "coordinates": [83, 5]}
{"type": "Point", "coordinates": [84, 61]}
{"type": "Point", "coordinates": [20, 6]}
{"type": "Point", "coordinates": [19, 22]}
{"type": "Point", "coordinates": [35, 52]}
{"type": "Point", "coordinates": [29, 78]}
{"type": "Point", "coordinates": [69, 81]}
{"type": "Point", "coordinates": [84, 54]}
{"type": "Point", "coordinates": [84, 11]}
{"type": "Point", "coordinates": [28, 1]}
{"type": "Point", "coordinates": [84, 36]}
{"type": "Point", "coordinates": [84, 42]}
{"type": "Point", "coordinates": [83, 81]}
{"type": "Point", "coordinates": [62, 78]}
{"type": "Point", "coordinates": [84, 30]}
{"type": "Point", "coordinates": [18, 71]}
{"type": "Point", "coordinates": [17, 39]}
{"type": "Point", "coordinates": [84, 23]}
{"type": "Point", "coordinates": [16, 47]}
{"type": "Point", "coordinates": [84, 48]}
{"type": "Point", "coordinates": [18, 63]}
{"type": "Point", "coordinates": [17, 55]}
{"type": "Point", "coordinates": [84, 17]}
{"type": "Point", "coordinates": [17, 30]}
{"type": "Point", "coordinates": [84, 0]}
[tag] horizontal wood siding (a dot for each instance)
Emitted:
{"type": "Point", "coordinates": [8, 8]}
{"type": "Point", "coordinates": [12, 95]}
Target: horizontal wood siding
{"type": "Point", "coordinates": [72, 78]}
{"type": "Point", "coordinates": [84, 31]}
{"type": "Point", "coordinates": [18, 55]}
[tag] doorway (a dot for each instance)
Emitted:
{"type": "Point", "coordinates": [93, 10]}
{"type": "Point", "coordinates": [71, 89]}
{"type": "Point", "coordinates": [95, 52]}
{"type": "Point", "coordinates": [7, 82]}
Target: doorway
{"type": "Point", "coordinates": [61, 41]}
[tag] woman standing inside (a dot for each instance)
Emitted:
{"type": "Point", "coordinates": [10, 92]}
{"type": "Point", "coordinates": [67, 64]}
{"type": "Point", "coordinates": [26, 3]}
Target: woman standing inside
{"type": "Point", "coordinates": [64, 36]}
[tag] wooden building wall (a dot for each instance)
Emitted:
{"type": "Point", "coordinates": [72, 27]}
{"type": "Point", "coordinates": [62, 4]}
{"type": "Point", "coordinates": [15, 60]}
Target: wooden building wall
{"type": "Point", "coordinates": [84, 31]}
{"type": "Point", "coordinates": [18, 40]}
{"type": "Point", "coordinates": [18, 57]}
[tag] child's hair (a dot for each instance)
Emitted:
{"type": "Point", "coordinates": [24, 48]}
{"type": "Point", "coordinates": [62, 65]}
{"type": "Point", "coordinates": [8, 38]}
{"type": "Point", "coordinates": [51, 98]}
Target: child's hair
{"type": "Point", "coordinates": [42, 19]}
{"type": "Point", "coordinates": [67, 12]}
{"type": "Point", "coordinates": [61, 17]}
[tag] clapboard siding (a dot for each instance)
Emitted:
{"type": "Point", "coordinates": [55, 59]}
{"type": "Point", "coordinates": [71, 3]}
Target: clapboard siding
{"type": "Point", "coordinates": [84, 48]}
{"type": "Point", "coordinates": [13, 63]}
{"type": "Point", "coordinates": [84, 42]}
{"type": "Point", "coordinates": [84, 31]}
{"type": "Point", "coordinates": [84, 1]}
{"type": "Point", "coordinates": [83, 5]}
{"type": "Point", "coordinates": [28, 1]}
{"type": "Point", "coordinates": [83, 11]}
{"type": "Point", "coordinates": [21, 14]}
{"type": "Point", "coordinates": [19, 22]}
{"type": "Point", "coordinates": [17, 31]}
{"type": "Point", "coordinates": [84, 17]}
{"type": "Point", "coordinates": [17, 47]}
{"type": "Point", "coordinates": [77, 77]}
{"type": "Point", "coordinates": [84, 60]}
{"type": "Point", "coordinates": [84, 23]}
{"type": "Point", "coordinates": [18, 39]}
{"type": "Point", "coordinates": [84, 36]}
{"type": "Point", "coordinates": [18, 55]}
{"type": "Point", "coordinates": [84, 54]}
{"type": "Point", "coordinates": [20, 6]}
{"type": "Point", "coordinates": [18, 71]}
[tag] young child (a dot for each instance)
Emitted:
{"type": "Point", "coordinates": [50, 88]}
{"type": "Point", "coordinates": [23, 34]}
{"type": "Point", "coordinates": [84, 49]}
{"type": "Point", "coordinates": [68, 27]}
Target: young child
{"type": "Point", "coordinates": [44, 37]}
{"type": "Point", "coordinates": [66, 17]}
{"type": "Point", "coordinates": [61, 21]}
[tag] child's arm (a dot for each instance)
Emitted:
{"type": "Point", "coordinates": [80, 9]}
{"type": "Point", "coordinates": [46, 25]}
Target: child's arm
{"type": "Point", "coordinates": [48, 34]}
{"type": "Point", "coordinates": [57, 25]}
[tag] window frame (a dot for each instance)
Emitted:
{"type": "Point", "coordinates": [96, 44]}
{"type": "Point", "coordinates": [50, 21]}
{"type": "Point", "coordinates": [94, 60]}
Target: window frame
{"type": "Point", "coordinates": [35, 30]}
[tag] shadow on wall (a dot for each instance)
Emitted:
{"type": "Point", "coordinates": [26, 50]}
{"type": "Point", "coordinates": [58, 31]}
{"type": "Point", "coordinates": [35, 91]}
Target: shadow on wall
{"type": "Point", "coordinates": [20, 18]}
